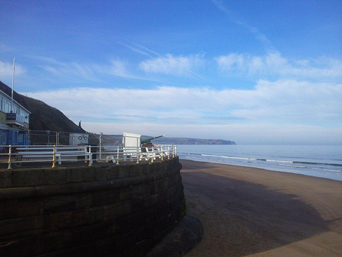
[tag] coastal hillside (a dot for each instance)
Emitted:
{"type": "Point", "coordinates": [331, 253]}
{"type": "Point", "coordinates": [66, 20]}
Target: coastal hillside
{"type": "Point", "coordinates": [43, 116]}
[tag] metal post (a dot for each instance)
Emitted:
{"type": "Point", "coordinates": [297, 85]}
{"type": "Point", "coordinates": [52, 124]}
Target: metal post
{"type": "Point", "coordinates": [100, 150]}
{"type": "Point", "coordinates": [138, 154]}
{"type": "Point", "coordinates": [117, 155]}
{"type": "Point", "coordinates": [90, 156]}
{"type": "Point", "coordinates": [161, 153]}
{"type": "Point", "coordinates": [12, 85]}
{"type": "Point", "coordinates": [54, 156]}
{"type": "Point", "coordinates": [85, 157]}
{"type": "Point", "coordinates": [10, 157]}
{"type": "Point", "coordinates": [57, 138]}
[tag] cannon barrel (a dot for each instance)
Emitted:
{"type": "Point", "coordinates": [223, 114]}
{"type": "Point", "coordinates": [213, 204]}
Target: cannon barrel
{"type": "Point", "coordinates": [148, 140]}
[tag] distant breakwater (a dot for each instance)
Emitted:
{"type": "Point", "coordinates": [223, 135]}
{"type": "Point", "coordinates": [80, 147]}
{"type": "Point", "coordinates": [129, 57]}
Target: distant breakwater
{"type": "Point", "coordinates": [107, 209]}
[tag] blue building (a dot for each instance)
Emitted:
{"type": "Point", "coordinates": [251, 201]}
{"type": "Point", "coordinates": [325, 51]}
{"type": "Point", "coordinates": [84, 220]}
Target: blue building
{"type": "Point", "coordinates": [14, 122]}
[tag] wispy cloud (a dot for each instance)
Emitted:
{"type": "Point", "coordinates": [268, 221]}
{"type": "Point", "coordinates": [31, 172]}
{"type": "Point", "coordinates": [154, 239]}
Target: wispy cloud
{"type": "Point", "coordinates": [255, 31]}
{"type": "Point", "coordinates": [173, 65]}
{"type": "Point", "coordinates": [89, 72]}
{"type": "Point", "coordinates": [139, 48]}
{"type": "Point", "coordinates": [274, 64]}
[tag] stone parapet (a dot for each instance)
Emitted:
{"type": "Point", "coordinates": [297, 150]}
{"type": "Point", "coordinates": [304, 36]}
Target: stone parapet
{"type": "Point", "coordinates": [90, 211]}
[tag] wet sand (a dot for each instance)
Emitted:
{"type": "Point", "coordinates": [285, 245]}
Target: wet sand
{"type": "Point", "coordinates": [254, 212]}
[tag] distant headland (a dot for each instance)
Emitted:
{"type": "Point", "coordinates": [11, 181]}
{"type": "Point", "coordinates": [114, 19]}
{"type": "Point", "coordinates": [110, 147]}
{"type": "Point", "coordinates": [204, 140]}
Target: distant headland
{"type": "Point", "coordinates": [193, 141]}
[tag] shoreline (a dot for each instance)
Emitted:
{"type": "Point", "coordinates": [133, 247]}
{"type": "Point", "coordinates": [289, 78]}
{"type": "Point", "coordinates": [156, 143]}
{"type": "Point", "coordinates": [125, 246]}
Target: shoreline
{"type": "Point", "coordinates": [297, 172]}
{"type": "Point", "coordinates": [249, 211]}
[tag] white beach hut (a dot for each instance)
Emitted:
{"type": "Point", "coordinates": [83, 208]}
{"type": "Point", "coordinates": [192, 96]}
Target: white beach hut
{"type": "Point", "coordinates": [79, 136]}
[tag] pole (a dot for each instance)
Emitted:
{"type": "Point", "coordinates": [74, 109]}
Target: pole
{"type": "Point", "coordinates": [12, 84]}
{"type": "Point", "coordinates": [53, 156]}
{"type": "Point", "coordinates": [100, 150]}
{"type": "Point", "coordinates": [9, 157]}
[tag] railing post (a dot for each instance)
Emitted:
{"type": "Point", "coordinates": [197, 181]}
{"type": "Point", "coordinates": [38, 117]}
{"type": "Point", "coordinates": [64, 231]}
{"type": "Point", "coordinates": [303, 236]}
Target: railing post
{"type": "Point", "coordinates": [85, 157]}
{"type": "Point", "coordinates": [90, 157]}
{"type": "Point", "coordinates": [10, 157]}
{"type": "Point", "coordinates": [57, 138]}
{"type": "Point", "coordinates": [161, 152]}
{"type": "Point", "coordinates": [117, 155]}
{"type": "Point", "coordinates": [54, 156]}
{"type": "Point", "coordinates": [138, 154]}
{"type": "Point", "coordinates": [100, 143]}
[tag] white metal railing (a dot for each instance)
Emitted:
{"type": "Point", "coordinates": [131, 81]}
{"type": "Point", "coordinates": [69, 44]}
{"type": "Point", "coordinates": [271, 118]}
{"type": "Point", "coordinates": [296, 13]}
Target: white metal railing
{"type": "Point", "coordinates": [18, 154]}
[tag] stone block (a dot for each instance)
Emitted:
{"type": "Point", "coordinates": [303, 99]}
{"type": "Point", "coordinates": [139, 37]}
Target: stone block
{"type": "Point", "coordinates": [152, 188]}
{"type": "Point", "coordinates": [99, 174]}
{"type": "Point", "coordinates": [55, 176]}
{"type": "Point", "coordinates": [97, 215]}
{"type": "Point", "coordinates": [140, 190]}
{"type": "Point", "coordinates": [24, 226]}
{"type": "Point", "coordinates": [17, 192]}
{"type": "Point", "coordinates": [151, 201]}
{"type": "Point", "coordinates": [83, 200]}
{"type": "Point", "coordinates": [11, 248]}
{"type": "Point", "coordinates": [115, 211]}
{"type": "Point", "coordinates": [82, 174]}
{"type": "Point", "coordinates": [105, 197]}
{"type": "Point", "coordinates": [5, 178]}
{"type": "Point", "coordinates": [125, 171]}
{"type": "Point", "coordinates": [141, 170]}
{"type": "Point", "coordinates": [137, 204]}
{"type": "Point", "coordinates": [113, 172]}
{"type": "Point", "coordinates": [28, 177]}
{"type": "Point", "coordinates": [125, 193]}
{"type": "Point", "coordinates": [49, 190]}
{"type": "Point", "coordinates": [30, 207]}
{"type": "Point", "coordinates": [62, 203]}
{"type": "Point", "coordinates": [46, 243]}
{"type": "Point", "coordinates": [9, 209]}
{"type": "Point", "coordinates": [69, 219]}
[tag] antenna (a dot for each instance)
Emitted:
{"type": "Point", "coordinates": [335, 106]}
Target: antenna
{"type": "Point", "coordinates": [12, 84]}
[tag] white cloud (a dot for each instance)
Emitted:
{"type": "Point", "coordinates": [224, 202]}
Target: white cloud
{"type": "Point", "coordinates": [260, 113]}
{"type": "Point", "coordinates": [273, 64]}
{"type": "Point", "coordinates": [175, 65]}
{"type": "Point", "coordinates": [6, 70]}
{"type": "Point", "coordinates": [281, 101]}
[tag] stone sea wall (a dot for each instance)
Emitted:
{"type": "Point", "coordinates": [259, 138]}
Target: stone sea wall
{"type": "Point", "coordinates": [106, 210]}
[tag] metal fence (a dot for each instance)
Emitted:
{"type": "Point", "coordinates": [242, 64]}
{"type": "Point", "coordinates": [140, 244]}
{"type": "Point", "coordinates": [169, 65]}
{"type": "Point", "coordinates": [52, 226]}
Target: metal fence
{"type": "Point", "coordinates": [57, 154]}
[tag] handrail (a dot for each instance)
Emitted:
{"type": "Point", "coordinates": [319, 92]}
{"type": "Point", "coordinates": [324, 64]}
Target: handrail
{"type": "Point", "coordinates": [18, 154]}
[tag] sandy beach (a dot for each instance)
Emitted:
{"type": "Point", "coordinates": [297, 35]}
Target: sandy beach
{"type": "Point", "coordinates": [254, 212]}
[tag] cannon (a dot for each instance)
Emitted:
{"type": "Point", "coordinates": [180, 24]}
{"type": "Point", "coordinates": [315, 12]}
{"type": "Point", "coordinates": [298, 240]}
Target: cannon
{"type": "Point", "coordinates": [148, 140]}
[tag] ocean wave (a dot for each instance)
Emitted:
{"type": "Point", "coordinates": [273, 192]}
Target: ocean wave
{"type": "Point", "coordinates": [250, 159]}
{"type": "Point", "coordinates": [318, 163]}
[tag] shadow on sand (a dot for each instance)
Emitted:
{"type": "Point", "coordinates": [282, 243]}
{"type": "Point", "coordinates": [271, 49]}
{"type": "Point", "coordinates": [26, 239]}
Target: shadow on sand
{"type": "Point", "coordinates": [242, 218]}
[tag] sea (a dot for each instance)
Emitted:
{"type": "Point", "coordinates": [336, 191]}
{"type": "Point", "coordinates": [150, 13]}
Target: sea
{"type": "Point", "coordinates": [312, 160]}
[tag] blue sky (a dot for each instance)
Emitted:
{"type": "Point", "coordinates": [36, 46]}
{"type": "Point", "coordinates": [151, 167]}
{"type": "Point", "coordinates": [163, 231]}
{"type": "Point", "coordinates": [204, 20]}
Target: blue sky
{"type": "Point", "coordinates": [256, 72]}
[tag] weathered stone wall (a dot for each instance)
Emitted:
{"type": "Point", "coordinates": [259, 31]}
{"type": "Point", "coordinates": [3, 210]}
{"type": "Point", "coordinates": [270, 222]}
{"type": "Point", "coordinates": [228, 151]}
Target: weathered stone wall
{"type": "Point", "coordinates": [89, 211]}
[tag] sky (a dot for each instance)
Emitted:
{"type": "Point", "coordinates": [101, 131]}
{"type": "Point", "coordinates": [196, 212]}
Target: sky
{"type": "Point", "coordinates": [255, 72]}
